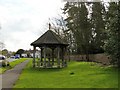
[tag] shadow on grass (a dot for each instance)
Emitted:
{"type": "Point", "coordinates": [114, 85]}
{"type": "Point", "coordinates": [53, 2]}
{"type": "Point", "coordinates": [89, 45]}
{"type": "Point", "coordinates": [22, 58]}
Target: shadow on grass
{"type": "Point", "coordinates": [36, 69]}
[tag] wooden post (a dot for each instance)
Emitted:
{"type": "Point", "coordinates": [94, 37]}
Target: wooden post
{"type": "Point", "coordinates": [41, 56]}
{"type": "Point", "coordinates": [34, 50]}
{"type": "Point", "coordinates": [48, 61]}
{"type": "Point", "coordinates": [58, 57]}
{"type": "Point", "coordinates": [53, 56]}
{"type": "Point", "coordinates": [44, 56]}
{"type": "Point", "coordinates": [39, 60]}
{"type": "Point", "coordinates": [63, 64]}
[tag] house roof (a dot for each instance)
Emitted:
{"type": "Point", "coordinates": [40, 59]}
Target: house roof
{"type": "Point", "coordinates": [49, 38]}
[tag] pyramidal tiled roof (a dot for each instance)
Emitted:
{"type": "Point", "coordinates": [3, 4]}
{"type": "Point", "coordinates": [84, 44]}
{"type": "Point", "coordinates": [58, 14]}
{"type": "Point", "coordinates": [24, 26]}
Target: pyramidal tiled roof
{"type": "Point", "coordinates": [49, 38]}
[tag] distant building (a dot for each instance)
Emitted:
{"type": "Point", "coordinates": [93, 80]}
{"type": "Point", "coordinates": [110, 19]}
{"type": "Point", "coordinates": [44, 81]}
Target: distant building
{"type": "Point", "coordinates": [37, 54]}
{"type": "Point", "coordinates": [24, 55]}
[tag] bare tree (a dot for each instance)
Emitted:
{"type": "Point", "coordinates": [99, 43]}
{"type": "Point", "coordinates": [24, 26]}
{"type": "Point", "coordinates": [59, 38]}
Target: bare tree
{"type": "Point", "coordinates": [2, 45]}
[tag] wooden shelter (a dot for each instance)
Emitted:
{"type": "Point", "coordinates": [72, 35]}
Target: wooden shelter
{"type": "Point", "coordinates": [54, 59]}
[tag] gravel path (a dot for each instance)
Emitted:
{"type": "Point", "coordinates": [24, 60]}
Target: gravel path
{"type": "Point", "coordinates": [11, 76]}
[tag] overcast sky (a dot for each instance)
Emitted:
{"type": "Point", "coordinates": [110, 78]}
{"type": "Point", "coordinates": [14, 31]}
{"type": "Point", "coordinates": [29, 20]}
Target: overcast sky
{"type": "Point", "coordinates": [23, 21]}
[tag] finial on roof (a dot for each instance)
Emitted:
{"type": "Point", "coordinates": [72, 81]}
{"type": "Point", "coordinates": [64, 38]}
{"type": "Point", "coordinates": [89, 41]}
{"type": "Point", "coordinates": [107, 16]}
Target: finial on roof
{"type": "Point", "coordinates": [49, 26]}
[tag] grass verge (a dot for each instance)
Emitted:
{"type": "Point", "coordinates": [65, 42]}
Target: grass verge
{"type": "Point", "coordinates": [12, 64]}
{"type": "Point", "coordinates": [76, 75]}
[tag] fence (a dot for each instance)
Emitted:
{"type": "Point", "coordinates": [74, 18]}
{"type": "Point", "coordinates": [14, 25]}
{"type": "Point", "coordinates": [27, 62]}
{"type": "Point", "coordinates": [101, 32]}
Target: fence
{"type": "Point", "coordinates": [100, 58]}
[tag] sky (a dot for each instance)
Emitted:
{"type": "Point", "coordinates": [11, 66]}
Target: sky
{"type": "Point", "coordinates": [23, 21]}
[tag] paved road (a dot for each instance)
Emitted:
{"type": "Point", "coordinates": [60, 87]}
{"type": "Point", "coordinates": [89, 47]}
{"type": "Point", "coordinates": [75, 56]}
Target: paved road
{"type": "Point", "coordinates": [10, 59]}
{"type": "Point", "coordinates": [11, 76]}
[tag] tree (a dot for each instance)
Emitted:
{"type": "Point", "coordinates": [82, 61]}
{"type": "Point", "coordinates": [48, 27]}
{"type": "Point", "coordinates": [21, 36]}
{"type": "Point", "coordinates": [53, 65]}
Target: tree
{"type": "Point", "coordinates": [2, 46]}
{"type": "Point", "coordinates": [87, 22]}
{"type": "Point", "coordinates": [70, 10]}
{"type": "Point", "coordinates": [78, 23]}
{"type": "Point", "coordinates": [98, 23]}
{"type": "Point", "coordinates": [112, 45]}
{"type": "Point", "coordinates": [58, 25]}
{"type": "Point", "coordinates": [20, 51]}
{"type": "Point", "coordinates": [5, 52]}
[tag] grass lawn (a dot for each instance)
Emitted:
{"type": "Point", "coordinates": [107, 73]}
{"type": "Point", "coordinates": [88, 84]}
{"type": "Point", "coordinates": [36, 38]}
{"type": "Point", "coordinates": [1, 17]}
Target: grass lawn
{"type": "Point", "coordinates": [12, 64]}
{"type": "Point", "coordinates": [86, 75]}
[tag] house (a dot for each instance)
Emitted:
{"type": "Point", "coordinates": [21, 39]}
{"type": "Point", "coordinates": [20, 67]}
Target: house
{"type": "Point", "coordinates": [24, 55]}
{"type": "Point", "coordinates": [37, 54]}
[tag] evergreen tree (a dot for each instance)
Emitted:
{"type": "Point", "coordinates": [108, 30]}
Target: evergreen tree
{"type": "Point", "coordinates": [98, 22]}
{"type": "Point", "coordinates": [78, 23]}
{"type": "Point", "coordinates": [112, 46]}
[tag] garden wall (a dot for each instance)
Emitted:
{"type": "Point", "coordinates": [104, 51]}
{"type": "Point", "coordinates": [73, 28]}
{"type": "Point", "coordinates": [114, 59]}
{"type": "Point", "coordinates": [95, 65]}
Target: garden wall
{"type": "Point", "coordinates": [100, 58]}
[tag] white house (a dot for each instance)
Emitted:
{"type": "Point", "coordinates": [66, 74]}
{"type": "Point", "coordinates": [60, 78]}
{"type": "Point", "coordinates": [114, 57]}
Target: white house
{"type": "Point", "coordinates": [24, 55]}
{"type": "Point", "coordinates": [37, 54]}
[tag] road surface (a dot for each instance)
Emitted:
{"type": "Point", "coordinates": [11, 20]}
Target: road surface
{"type": "Point", "coordinates": [11, 59]}
{"type": "Point", "coordinates": [11, 76]}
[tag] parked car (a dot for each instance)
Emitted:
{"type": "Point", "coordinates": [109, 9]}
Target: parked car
{"type": "Point", "coordinates": [13, 57]}
{"type": "Point", "coordinates": [3, 61]}
{"type": "Point", "coordinates": [17, 56]}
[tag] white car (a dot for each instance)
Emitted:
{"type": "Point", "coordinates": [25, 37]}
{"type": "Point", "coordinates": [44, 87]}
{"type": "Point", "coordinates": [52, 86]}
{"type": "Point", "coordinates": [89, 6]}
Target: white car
{"type": "Point", "coordinates": [3, 61]}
